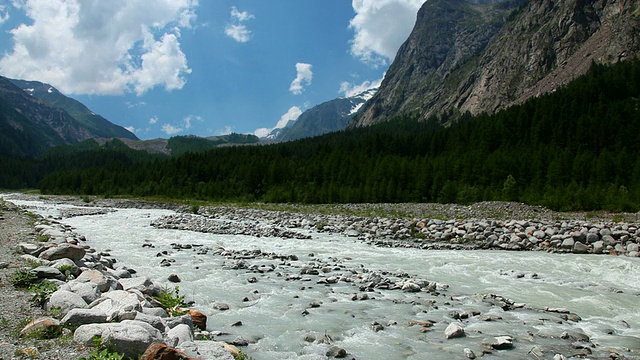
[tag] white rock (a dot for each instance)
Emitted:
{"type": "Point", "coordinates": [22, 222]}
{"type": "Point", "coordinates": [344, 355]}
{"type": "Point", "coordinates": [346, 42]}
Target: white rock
{"type": "Point", "coordinates": [65, 300]}
{"type": "Point", "coordinates": [179, 334]}
{"type": "Point", "coordinates": [130, 337]}
{"type": "Point", "coordinates": [454, 330]}
{"type": "Point", "coordinates": [78, 317]}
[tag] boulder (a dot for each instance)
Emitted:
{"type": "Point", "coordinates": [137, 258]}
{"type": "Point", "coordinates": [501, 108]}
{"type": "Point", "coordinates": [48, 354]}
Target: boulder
{"type": "Point", "coordinates": [64, 250]}
{"type": "Point", "coordinates": [160, 351]}
{"type": "Point", "coordinates": [88, 290]}
{"type": "Point", "coordinates": [179, 334]}
{"type": "Point", "coordinates": [155, 311]}
{"type": "Point", "coordinates": [207, 350]}
{"type": "Point", "coordinates": [199, 319]}
{"type": "Point", "coordinates": [155, 321]}
{"type": "Point", "coordinates": [177, 320]}
{"type": "Point", "coordinates": [143, 284]}
{"type": "Point", "coordinates": [580, 248]}
{"type": "Point", "coordinates": [130, 337]}
{"type": "Point", "coordinates": [78, 317]}
{"type": "Point", "coordinates": [632, 247]}
{"type": "Point", "coordinates": [454, 330]}
{"type": "Point", "coordinates": [598, 247]}
{"type": "Point", "coordinates": [118, 305]}
{"type": "Point", "coordinates": [567, 243]}
{"type": "Point", "coordinates": [46, 327]}
{"type": "Point", "coordinates": [48, 272]}
{"type": "Point", "coordinates": [30, 249]}
{"type": "Point", "coordinates": [34, 260]}
{"type": "Point", "coordinates": [174, 278]}
{"type": "Point", "coordinates": [502, 343]}
{"type": "Point", "coordinates": [105, 283]}
{"type": "Point", "coordinates": [68, 264]}
{"type": "Point", "coordinates": [65, 300]}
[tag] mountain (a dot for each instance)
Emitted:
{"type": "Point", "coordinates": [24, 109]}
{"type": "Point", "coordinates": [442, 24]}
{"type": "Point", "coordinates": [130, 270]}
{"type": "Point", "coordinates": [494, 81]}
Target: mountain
{"type": "Point", "coordinates": [35, 117]}
{"type": "Point", "coordinates": [482, 58]}
{"type": "Point", "coordinates": [333, 115]}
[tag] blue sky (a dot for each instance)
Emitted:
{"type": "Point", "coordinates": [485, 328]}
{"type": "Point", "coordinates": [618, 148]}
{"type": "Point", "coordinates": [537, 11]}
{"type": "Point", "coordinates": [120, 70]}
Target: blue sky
{"type": "Point", "coordinates": [163, 68]}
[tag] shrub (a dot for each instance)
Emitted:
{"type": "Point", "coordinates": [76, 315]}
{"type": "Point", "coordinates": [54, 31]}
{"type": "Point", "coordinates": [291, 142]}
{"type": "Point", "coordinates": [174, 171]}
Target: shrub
{"type": "Point", "coordinates": [42, 292]}
{"type": "Point", "coordinates": [102, 352]}
{"type": "Point", "coordinates": [172, 301]}
{"type": "Point", "coordinates": [24, 279]}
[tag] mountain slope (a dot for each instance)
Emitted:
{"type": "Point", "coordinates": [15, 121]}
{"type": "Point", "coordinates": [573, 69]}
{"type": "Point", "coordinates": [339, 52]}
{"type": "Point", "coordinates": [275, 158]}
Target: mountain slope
{"type": "Point", "coordinates": [332, 115]}
{"type": "Point", "coordinates": [31, 125]}
{"type": "Point", "coordinates": [499, 61]}
{"type": "Point", "coordinates": [96, 124]}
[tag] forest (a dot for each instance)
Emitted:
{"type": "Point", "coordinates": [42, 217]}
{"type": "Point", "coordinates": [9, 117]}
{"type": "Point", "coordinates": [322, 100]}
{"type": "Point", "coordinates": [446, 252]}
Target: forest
{"type": "Point", "coordinates": [575, 149]}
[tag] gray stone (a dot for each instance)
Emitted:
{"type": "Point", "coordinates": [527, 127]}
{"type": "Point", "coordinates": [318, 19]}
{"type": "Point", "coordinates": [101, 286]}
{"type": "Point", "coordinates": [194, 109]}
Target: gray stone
{"type": "Point", "coordinates": [632, 247]}
{"type": "Point", "coordinates": [78, 317]}
{"type": "Point", "coordinates": [567, 243]}
{"type": "Point", "coordinates": [143, 284]}
{"type": "Point", "coordinates": [502, 343]}
{"type": "Point", "coordinates": [48, 272]}
{"type": "Point", "coordinates": [88, 290]}
{"type": "Point", "coordinates": [469, 353]}
{"type": "Point", "coordinates": [65, 300]}
{"type": "Point", "coordinates": [580, 248]}
{"type": "Point", "coordinates": [454, 330]}
{"type": "Point", "coordinates": [48, 325]}
{"type": "Point", "coordinates": [155, 321]}
{"type": "Point", "coordinates": [598, 247]}
{"type": "Point", "coordinates": [178, 335]}
{"type": "Point", "coordinates": [155, 311]}
{"type": "Point", "coordinates": [130, 337]}
{"type": "Point", "coordinates": [206, 350]}
{"type": "Point", "coordinates": [177, 320]}
{"type": "Point", "coordinates": [118, 305]}
{"type": "Point", "coordinates": [104, 282]}
{"type": "Point", "coordinates": [30, 249]}
{"type": "Point", "coordinates": [61, 251]}
{"type": "Point", "coordinates": [592, 237]}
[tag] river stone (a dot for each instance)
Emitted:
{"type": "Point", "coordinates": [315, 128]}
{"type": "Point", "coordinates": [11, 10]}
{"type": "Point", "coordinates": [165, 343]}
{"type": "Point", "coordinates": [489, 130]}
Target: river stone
{"type": "Point", "coordinates": [48, 272]}
{"type": "Point", "coordinates": [118, 305]}
{"type": "Point", "coordinates": [78, 317]}
{"type": "Point", "coordinates": [70, 266]}
{"type": "Point", "coordinates": [159, 351]}
{"type": "Point", "coordinates": [580, 248]}
{"type": "Point", "coordinates": [598, 247]}
{"type": "Point", "coordinates": [454, 330]}
{"type": "Point", "coordinates": [469, 353]}
{"type": "Point", "coordinates": [87, 290]}
{"type": "Point", "coordinates": [143, 284]}
{"type": "Point", "coordinates": [130, 337]}
{"type": "Point", "coordinates": [65, 300]}
{"type": "Point", "coordinates": [202, 349]}
{"type": "Point", "coordinates": [177, 320]}
{"type": "Point", "coordinates": [567, 243]}
{"type": "Point", "coordinates": [155, 311]}
{"type": "Point", "coordinates": [30, 249]}
{"type": "Point", "coordinates": [632, 247]}
{"type": "Point", "coordinates": [199, 319]}
{"type": "Point", "coordinates": [44, 326]}
{"type": "Point", "coordinates": [155, 321]}
{"type": "Point", "coordinates": [502, 342]}
{"type": "Point", "coordinates": [179, 334]}
{"type": "Point", "coordinates": [96, 277]}
{"type": "Point", "coordinates": [592, 238]}
{"type": "Point", "coordinates": [34, 260]}
{"type": "Point", "coordinates": [65, 250]}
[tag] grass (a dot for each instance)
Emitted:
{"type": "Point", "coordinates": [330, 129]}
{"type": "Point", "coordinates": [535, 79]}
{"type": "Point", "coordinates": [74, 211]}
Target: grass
{"type": "Point", "coordinates": [172, 301]}
{"type": "Point", "coordinates": [24, 279]}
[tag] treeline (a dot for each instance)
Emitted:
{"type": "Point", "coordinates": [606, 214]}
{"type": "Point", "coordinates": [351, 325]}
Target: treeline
{"type": "Point", "coordinates": [575, 149]}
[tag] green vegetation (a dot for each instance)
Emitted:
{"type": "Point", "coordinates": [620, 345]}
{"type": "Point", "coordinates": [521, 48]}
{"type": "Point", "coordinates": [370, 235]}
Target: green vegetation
{"type": "Point", "coordinates": [575, 149]}
{"type": "Point", "coordinates": [42, 292]}
{"type": "Point", "coordinates": [24, 279]}
{"type": "Point", "coordinates": [172, 301]}
{"type": "Point", "coordinates": [102, 352]}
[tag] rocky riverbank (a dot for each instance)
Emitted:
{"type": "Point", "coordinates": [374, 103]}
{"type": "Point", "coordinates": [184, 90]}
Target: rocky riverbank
{"type": "Point", "coordinates": [87, 295]}
{"type": "Point", "coordinates": [543, 233]}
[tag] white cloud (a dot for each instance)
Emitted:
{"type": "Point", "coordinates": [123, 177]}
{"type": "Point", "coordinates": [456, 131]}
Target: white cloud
{"type": "Point", "coordinates": [101, 47]}
{"type": "Point", "coordinates": [187, 120]}
{"type": "Point", "coordinates": [4, 14]}
{"type": "Point", "coordinates": [153, 120]}
{"type": "Point", "coordinates": [291, 115]}
{"type": "Point", "coordinates": [237, 30]}
{"type": "Point", "coordinates": [348, 89]}
{"type": "Point", "coordinates": [304, 77]}
{"type": "Point", "coordinates": [170, 129]}
{"type": "Point", "coordinates": [380, 27]}
{"type": "Point", "coordinates": [224, 131]}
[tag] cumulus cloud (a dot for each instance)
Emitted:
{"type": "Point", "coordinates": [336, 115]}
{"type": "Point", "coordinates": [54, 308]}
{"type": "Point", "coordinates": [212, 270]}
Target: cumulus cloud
{"type": "Point", "coordinates": [304, 77]}
{"type": "Point", "coordinates": [292, 115]}
{"type": "Point", "coordinates": [237, 30]}
{"type": "Point", "coordinates": [348, 89]}
{"type": "Point", "coordinates": [170, 129]}
{"type": "Point", "coordinates": [101, 47]}
{"type": "Point", "coordinates": [380, 27]}
{"type": "Point", "coordinates": [224, 131]}
{"type": "Point", "coordinates": [153, 120]}
{"type": "Point", "coordinates": [187, 120]}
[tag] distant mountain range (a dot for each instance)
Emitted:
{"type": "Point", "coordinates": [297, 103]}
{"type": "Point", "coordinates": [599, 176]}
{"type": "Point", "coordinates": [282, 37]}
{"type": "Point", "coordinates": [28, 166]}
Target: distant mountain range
{"type": "Point", "coordinates": [35, 117]}
{"type": "Point", "coordinates": [332, 115]}
{"type": "Point", "coordinates": [484, 56]}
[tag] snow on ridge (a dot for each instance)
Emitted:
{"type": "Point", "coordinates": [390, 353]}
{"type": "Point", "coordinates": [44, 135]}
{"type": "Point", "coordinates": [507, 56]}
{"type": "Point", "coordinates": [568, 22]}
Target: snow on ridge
{"type": "Point", "coordinates": [50, 90]}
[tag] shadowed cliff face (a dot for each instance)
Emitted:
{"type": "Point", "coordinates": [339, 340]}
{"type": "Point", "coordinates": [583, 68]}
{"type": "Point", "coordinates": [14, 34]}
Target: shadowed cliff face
{"type": "Point", "coordinates": [482, 58]}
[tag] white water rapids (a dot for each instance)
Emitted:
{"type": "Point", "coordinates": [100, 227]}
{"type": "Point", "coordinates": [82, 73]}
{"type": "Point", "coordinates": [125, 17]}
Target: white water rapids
{"type": "Point", "coordinates": [603, 290]}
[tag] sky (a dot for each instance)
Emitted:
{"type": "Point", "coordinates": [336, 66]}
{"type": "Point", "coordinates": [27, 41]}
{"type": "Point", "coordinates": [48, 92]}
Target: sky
{"type": "Point", "coordinates": [163, 68]}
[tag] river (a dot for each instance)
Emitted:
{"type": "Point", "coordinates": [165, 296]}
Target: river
{"type": "Point", "coordinates": [278, 319]}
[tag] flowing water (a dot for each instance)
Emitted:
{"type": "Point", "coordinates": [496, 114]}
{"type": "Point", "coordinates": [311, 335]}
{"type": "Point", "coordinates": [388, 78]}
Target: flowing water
{"type": "Point", "coordinates": [278, 320]}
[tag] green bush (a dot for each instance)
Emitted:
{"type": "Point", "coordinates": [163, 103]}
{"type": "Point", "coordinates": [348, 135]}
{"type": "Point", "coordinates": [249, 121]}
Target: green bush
{"type": "Point", "coordinates": [42, 292]}
{"type": "Point", "coordinates": [102, 352]}
{"type": "Point", "coordinates": [24, 279]}
{"type": "Point", "coordinates": [172, 301]}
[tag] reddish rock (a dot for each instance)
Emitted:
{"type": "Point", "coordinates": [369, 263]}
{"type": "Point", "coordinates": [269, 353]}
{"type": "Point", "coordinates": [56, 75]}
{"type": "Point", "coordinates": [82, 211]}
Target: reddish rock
{"type": "Point", "coordinates": [199, 319]}
{"type": "Point", "coordinates": [160, 351]}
